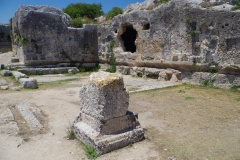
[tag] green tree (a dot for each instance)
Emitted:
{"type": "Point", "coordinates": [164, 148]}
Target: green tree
{"type": "Point", "coordinates": [83, 10]}
{"type": "Point", "coordinates": [114, 12]}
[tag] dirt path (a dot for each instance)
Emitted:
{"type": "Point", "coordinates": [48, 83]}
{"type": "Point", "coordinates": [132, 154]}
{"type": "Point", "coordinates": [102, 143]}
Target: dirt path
{"type": "Point", "coordinates": [58, 99]}
{"type": "Point", "coordinates": [183, 122]}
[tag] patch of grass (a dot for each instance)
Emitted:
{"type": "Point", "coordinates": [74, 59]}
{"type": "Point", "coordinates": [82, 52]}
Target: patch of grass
{"type": "Point", "coordinates": [192, 32]}
{"type": "Point", "coordinates": [212, 70]}
{"type": "Point", "coordinates": [238, 99]}
{"type": "Point", "coordinates": [82, 68]}
{"type": "Point", "coordinates": [181, 91]}
{"type": "Point", "coordinates": [39, 73]}
{"type": "Point", "coordinates": [234, 89]}
{"type": "Point", "coordinates": [25, 139]}
{"type": "Point", "coordinates": [70, 134]}
{"type": "Point", "coordinates": [55, 71]}
{"type": "Point", "coordinates": [21, 133]}
{"type": "Point", "coordinates": [18, 38]}
{"type": "Point", "coordinates": [24, 42]}
{"type": "Point", "coordinates": [112, 69]}
{"type": "Point", "coordinates": [206, 82]}
{"type": "Point", "coordinates": [189, 98]}
{"type": "Point", "coordinates": [139, 74]}
{"type": "Point", "coordinates": [159, 2]}
{"type": "Point", "coordinates": [90, 151]}
{"type": "Point", "coordinates": [187, 20]}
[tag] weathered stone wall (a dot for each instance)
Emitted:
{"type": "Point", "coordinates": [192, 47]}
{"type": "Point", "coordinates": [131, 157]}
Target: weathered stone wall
{"type": "Point", "coordinates": [181, 34]}
{"type": "Point", "coordinates": [42, 36]}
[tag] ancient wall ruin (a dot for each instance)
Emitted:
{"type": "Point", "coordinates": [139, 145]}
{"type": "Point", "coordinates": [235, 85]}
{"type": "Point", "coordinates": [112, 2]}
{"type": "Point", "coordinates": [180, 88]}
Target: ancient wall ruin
{"type": "Point", "coordinates": [181, 34]}
{"type": "Point", "coordinates": [42, 36]}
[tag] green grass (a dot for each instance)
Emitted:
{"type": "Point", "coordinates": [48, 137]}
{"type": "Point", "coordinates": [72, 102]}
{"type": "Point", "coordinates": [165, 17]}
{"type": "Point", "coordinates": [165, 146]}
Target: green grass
{"type": "Point", "coordinates": [25, 139]}
{"type": "Point", "coordinates": [238, 99]}
{"type": "Point", "coordinates": [189, 98]}
{"type": "Point", "coordinates": [71, 135]}
{"type": "Point", "coordinates": [192, 32]}
{"type": "Point", "coordinates": [90, 151]}
{"type": "Point", "coordinates": [234, 89]}
{"type": "Point", "coordinates": [181, 91]}
{"type": "Point", "coordinates": [111, 69]}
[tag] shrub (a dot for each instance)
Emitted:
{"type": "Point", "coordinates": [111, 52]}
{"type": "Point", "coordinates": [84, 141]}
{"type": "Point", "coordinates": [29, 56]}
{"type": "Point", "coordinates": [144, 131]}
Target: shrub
{"type": "Point", "coordinates": [76, 23]}
{"type": "Point", "coordinates": [83, 10]}
{"type": "Point", "coordinates": [114, 12]}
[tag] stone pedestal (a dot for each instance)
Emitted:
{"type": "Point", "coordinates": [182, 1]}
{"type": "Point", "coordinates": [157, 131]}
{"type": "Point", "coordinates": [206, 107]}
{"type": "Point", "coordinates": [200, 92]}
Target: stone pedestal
{"type": "Point", "coordinates": [104, 121]}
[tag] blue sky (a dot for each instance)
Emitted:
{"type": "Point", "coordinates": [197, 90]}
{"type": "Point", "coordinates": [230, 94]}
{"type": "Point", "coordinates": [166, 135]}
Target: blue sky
{"type": "Point", "coordinates": [9, 7]}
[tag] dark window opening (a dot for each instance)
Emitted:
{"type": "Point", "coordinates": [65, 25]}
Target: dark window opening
{"type": "Point", "coordinates": [146, 26]}
{"type": "Point", "coordinates": [129, 37]}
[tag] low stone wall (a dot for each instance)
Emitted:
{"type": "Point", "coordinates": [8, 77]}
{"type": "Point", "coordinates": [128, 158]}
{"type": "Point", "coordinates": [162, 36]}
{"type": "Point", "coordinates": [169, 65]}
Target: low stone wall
{"type": "Point", "coordinates": [206, 78]}
{"type": "Point", "coordinates": [36, 71]}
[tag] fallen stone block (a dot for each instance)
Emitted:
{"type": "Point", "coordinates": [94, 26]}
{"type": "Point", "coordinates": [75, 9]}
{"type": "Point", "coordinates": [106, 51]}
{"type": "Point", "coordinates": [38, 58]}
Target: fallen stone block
{"type": "Point", "coordinates": [19, 75]}
{"type": "Point", "coordinates": [73, 71]}
{"type": "Point", "coordinates": [28, 83]}
{"type": "Point", "coordinates": [4, 87]}
{"type": "Point", "coordinates": [104, 121]}
{"type": "Point", "coordinates": [6, 73]}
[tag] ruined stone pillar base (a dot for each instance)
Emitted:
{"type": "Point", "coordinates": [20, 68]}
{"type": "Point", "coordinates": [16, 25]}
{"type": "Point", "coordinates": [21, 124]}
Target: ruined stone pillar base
{"type": "Point", "coordinates": [106, 143]}
{"type": "Point", "coordinates": [104, 121]}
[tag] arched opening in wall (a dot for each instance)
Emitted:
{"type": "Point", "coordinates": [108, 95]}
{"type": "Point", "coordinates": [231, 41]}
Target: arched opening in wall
{"type": "Point", "coordinates": [129, 37]}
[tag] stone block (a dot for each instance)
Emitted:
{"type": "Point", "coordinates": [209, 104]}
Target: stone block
{"type": "Point", "coordinates": [6, 73]}
{"type": "Point", "coordinates": [28, 83]}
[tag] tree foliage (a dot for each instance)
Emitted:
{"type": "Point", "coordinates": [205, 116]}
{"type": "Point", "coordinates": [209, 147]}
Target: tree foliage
{"type": "Point", "coordinates": [114, 12]}
{"type": "Point", "coordinates": [83, 10]}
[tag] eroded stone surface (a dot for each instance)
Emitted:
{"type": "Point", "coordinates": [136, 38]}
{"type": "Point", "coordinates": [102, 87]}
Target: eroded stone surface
{"type": "Point", "coordinates": [104, 96]}
{"type": "Point", "coordinates": [30, 114]}
{"type": "Point", "coordinates": [104, 121]}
